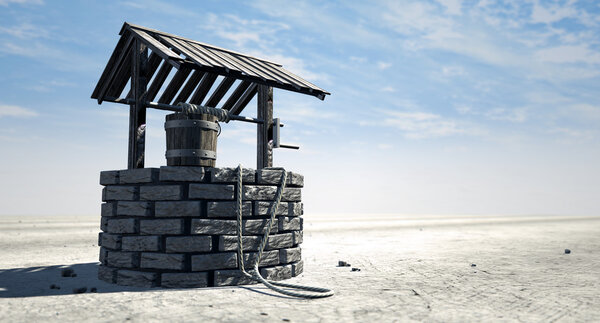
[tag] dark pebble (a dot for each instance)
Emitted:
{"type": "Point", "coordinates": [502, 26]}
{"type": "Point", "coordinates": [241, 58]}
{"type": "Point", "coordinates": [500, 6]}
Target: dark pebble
{"type": "Point", "coordinates": [263, 313]}
{"type": "Point", "coordinates": [80, 290]}
{"type": "Point", "coordinates": [473, 265]}
{"type": "Point", "coordinates": [567, 251]}
{"type": "Point", "coordinates": [285, 320]}
{"type": "Point", "coordinates": [67, 272]}
{"type": "Point", "coordinates": [355, 269]}
{"type": "Point", "coordinates": [342, 263]}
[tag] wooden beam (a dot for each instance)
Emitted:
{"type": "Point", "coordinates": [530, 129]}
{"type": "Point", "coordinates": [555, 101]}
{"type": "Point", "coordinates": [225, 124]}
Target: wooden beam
{"type": "Point", "coordinates": [158, 48]}
{"type": "Point", "coordinates": [122, 77]}
{"type": "Point", "coordinates": [153, 63]}
{"type": "Point", "coordinates": [244, 100]}
{"type": "Point", "coordinates": [158, 81]}
{"type": "Point", "coordinates": [114, 68]}
{"type": "Point", "coordinates": [189, 86]}
{"type": "Point", "coordinates": [207, 82]}
{"type": "Point", "coordinates": [220, 92]}
{"type": "Point", "coordinates": [264, 152]}
{"type": "Point", "coordinates": [137, 111]}
{"type": "Point", "coordinates": [174, 85]}
{"type": "Point", "coordinates": [119, 48]}
{"type": "Point", "coordinates": [237, 93]}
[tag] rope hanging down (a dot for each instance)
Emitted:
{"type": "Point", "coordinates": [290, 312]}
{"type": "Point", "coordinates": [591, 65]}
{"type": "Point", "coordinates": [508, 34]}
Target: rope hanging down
{"type": "Point", "coordinates": [188, 108]}
{"type": "Point", "coordinates": [315, 292]}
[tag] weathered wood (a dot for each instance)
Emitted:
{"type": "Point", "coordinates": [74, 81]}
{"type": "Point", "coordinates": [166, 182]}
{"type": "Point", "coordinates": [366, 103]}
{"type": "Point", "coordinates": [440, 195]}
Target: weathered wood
{"type": "Point", "coordinates": [189, 86]}
{"type": "Point", "coordinates": [235, 96]}
{"type": "Point", "coordinates": [158, 81]}
{"type": "Point", "coordinates": [115, 67]}
{"type": "Point", "coordinates": [190, 138]}
{"type": "Point", "coordinates": [119, 48]}
{"type": "Point", "coordinates": [218, 94]}
{"type": "Point", "coordinates": [244, 100]}
{"type": "Point", "coordinates": [207, 82]}
{"type": "Point", "coordinates": [137, 112]}
{"type": "Point", "coordinates": [122, 77]}
{"type": "Point", "coordinates": [264, 112]}
{"type": "Point", "coordinates": [185, 50]}
{"type": "Point", "coordinates": [153, 63]}
{"type": "Point", "coordinates": [157, 47]}
{"type": "Point", "coordinates": [174, 85]}
{"type": "Point", "coordinates": [258, 67]}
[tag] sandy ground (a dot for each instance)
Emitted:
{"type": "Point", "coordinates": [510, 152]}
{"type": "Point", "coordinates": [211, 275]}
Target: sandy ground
{"type": "Point", "coordinates": [426, 268]}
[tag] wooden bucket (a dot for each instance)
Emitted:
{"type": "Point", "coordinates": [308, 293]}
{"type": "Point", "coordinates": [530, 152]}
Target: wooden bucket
{"type": "Point", "coordinates": [191, 139]}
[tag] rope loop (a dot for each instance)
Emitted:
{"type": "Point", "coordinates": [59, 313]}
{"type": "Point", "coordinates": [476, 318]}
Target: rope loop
{"type": "Point", "coordinates": [188, 108]}
{"type": "Point", "coordinates": [315, 292]}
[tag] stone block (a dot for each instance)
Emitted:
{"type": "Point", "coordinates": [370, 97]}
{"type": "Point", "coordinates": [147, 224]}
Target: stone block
{"type": "Point", "coordinates": [229, 175]}
{"type": "Point", "coordinates": [184, 280]}
{"type": "Point", "coordinates": [111, 241]}
{"type": "Point", "coordinates": [108, 209]}
{"type": "Point", "coordinates": [289, 255]}
{"type": "Point", "coordinates": [103, 255]}
{"type": "Point", "coordinates": [257, 226]}
{"type": "Point", "coordinates": [213, 226]}
{"type": "Point", "coordinates": [278, 241]}
{"type": "Point", "coordinates": [189, 244]}
{"type": "Point", "coordinates": [181, 174]}
{"type": "Point", "coordinates": [277, 272]}
{"type": "Point", "coordinates": [263, 207]}
{"type": "Point", "coordinates": [161, 226]}
{"type": "Point", "coordinates": [212, 261]}
{"type": "Point", "coordinates": [297, 268]}
{"type": "Point", "coordinates": [227, 209]}
{"type": "Point", "coordinates": [122, 259]}
{"type": "Point", "coordinates": [177, 209]}
{"type": "Point", "coordinates": [297, 179]}
{"type": "Point", "coordinates": [140, 243]}
{"type": "Point", "coordinates": [270, 176]}
{"type": "Point", "coordinates": [290, 223]}
{"type": "Point", "coordinates": [269, 258]}
{"type": "Point", "coordinates": [121, 225]}
{"type": "Point", "coordinates": [231, 277]}
{"type": "Point", "coordinates": [161, 193]}
{"type": "Point", "coordinates": [109, 177]}
{"type": "Point", "coordinates": [267, 193]}
{"type": "Point", "coordinates": [298, 237]}
{"type": "Point", "coordinates": [162, 261]}
{"type": "Point", "coordinates": [138, 175]}
{"type": "Point", "coordinates": [107, 274]}
{"type": "Point", "coordinates": [120, 193]}
{"type": "Point", "coordinates": [211, 191]}
{"type": "Point", "coordinates": [134, 208]}
{"type": "Point", "coordinates": [252, 243]}
{"type": "Point", "coordinates": [136, 278]}
{"type": "Point", "coordinates": [104, 223]}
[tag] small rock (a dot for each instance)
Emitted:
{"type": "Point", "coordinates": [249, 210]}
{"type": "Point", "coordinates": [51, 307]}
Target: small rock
{"type": "Point", "coordinates": [285, 320]}
{"type": "Point", "coordinates": [263, 313]}
{"type": "Point", "coordinates": [473, 265]}
{"type": "Point", "coordinates": [93, 290]}
{"type": "Point", "coordinates": [567, 251]}
{"type": "Point", "coordinates": [355, 269]}
{"type": "Point", "coordinates": [67, 272]}
{"type": "Point", "coordinates": [342, 263]}
{"type": "Point", "coordinates": [79, 290]}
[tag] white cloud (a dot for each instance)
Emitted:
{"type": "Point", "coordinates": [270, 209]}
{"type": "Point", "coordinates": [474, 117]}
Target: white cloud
{"type": "Point", "coordinates": [388, 89]}
{"type": "Point", "coordinates": [568, 54]}
{"type": "Point", "coordinates": [502, 114]}
{"type": "Point", "coordinates": [16, 111]}
{"type": "Point", "coordinates": [5, 3]}
{"type": "Point", "coordinates": [453, 7]}
{"type": "Point", "coordinates": [25, 31]}
{"type": "Point", "coordinates": [383, 65]}
{"type": "Point", "coordinates": [161, 7]}
{"type": "Point", "coordinates": [421, 125]}
{"type": "Point", "coordinates": [551, 14]}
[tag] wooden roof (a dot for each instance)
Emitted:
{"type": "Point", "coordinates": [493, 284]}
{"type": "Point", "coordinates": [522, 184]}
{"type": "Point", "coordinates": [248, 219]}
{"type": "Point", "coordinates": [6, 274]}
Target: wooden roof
{"type": "Point", "coordinates": [197, 66]}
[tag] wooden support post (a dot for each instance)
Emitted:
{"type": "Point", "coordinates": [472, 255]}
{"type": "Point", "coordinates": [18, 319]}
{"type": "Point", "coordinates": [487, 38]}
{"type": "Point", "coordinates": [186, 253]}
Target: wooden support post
{"type": "Point", "coordinates": [264, 151]}
{"type": "Point", "coordinates": [137, 111]}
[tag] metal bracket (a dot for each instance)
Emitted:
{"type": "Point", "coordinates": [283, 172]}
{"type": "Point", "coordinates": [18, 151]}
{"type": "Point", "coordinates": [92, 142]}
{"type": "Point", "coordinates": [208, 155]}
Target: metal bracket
{"type": "Point", "coordinates": [277, 136]}
{"type": "Point", "coordinates": [202, 124]}
{"type": "Point", "coordinates": [200, 153]}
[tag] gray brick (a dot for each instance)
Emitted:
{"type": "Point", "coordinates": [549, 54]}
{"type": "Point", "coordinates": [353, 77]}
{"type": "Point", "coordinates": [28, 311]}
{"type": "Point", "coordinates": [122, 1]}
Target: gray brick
{"type": "Point", "coordinates": [229, 175]}
{"type": "Point", "coordinates": [181, 174]}
{"type": "Point", "coordinates": [267, 193]}
{"type": "Point", "coordinates": [162, 261]}
{"type": "Point", "coordinates": [252, 243]}
{"type": "Point", "coordinates": [161, 226]}
{"type": "Point", "coordinates": [231, 278]}
{"type": "Point", "coordinates": [257, 226]}
{"type": "Point", "coordinates": [121, 193]}
{"type": "Point", "coordinates": [278, 241]}
{"type": "Point", "coordinates": [277, 272]}
{"type": "Point", "coordinates": [108, 209]}
{"type": "Point", "coordinates": [211, 191]}
{"type": "Point", "coordinates": [227, 209]}
{"type": "Point", "coordinates": [269, 258]}
{"type": "Point", "coordinates": [298, 237]}
{"type": "Point", "coordinates": [297, 180]}
{"type": "Point", "coordinates": [109, 177]}
{"type": "Point", "coordinates": [121, 226]}
{"type": "Point", "coordinates": [184, 280]}
{"type": "Point", "coordinates": [214, 261]}
{"type": "Point", "coordinates": [107, 274]}
{"type": "Point", "coordinates": [136, 278]}
{"type": "Point", "coordinates": [287, 256]}
{"type": "Point", "coordinates": [135, 208]}
{"type": "Point", "coordinates": [262, 208]}
{"type": "Point", "coordinates": [289, 223]}
{"type": "Point", "coordinates": [139, 175]}
{"type": "Point", "coordinates": [112, 241]}
{"type": "Point", "coordinates": [271, 176]}
{"type": "Point", "coordinates": [297, 268]}
{"type": "Point", "coordinates": [213, 226]}
{"type": "Point", "coordinates": [103, 223]}
{"type": "Point", "coordinates": [161, 193]}
{"type": "Point", "coordinates": [140, 243]}
{"type": "Point", "coordinates": [122, 259]}
{"type": "Point", "coordinates": [177, 209]}
{"type": "Point", "coordinates": [103, 255]}
{"type": "Point", "coordinates": [189, 244]}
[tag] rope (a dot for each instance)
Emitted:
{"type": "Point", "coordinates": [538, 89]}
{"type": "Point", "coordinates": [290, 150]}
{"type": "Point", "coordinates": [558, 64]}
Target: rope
{"type": "Point", "coordinates": [188, 108]}
{"type": "Point", "coordinates": [315, 292]}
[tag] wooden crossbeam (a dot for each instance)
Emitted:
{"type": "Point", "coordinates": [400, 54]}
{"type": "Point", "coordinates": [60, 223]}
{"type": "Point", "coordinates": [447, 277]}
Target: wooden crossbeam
{"type": "Point", "coordinates": [137, 110]}
{"type": "Point", "coordinates": [122, 77]}
{"type": "Point", "coordinates": [235, 96]}
{"type": "Point", "coordinates": [189, 86]}
{"type": "Point", "coordinates": [174, 85]}
{"type": "Point", "coordinates": [207, 82]}
{"type": "Point", "coordinates": [158, 81]}
{"type": "Point", "coordinates": [244, 100]}
{"type": "Point", "coordinates": [153, 63]}
{"type": "Point", "coordinates": [114, 67]}
{"type": "Point", "coordinates": [218, 94]}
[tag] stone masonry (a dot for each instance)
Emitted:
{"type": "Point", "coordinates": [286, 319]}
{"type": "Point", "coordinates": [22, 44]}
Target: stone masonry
{"type": "Point", "coordinates": [175, 226]}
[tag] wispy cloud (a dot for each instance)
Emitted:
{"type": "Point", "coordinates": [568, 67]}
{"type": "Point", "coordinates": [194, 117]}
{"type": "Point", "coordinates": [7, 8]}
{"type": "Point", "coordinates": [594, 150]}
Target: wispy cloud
{"type": "Point", "coordinates": [25, 31]}
{"type": "Point", "coordinates": [16, 111]}
{"type": "Point", "coordinates": [162, 7]}
{"type": "Point", "coordinates": [383, 65]}
{"type": "Point", "coordinates": [21, 2]}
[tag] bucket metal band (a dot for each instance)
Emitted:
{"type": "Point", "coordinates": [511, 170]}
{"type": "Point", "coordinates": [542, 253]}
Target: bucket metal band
{"type": "Point", "coordinates": [202, 124]}
{"type": "Point", "coordinates": [200, 153]}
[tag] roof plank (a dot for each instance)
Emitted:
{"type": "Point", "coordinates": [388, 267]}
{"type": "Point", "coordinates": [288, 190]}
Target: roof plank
{"type": "Point", "coordinates": [114, 68]}
{"type": "Point", "coordinates": [189, 86]}
{"type": "Point", "coordinates": [174, 85]}
{"type": "Point", "coordinates": [120, 47]}
{"type": "Point", "coordinates": [237, 93]}
{"type": "Point", "coordinates": [207, 82]}
{"type": "Point", "coordinates": [221, 90]}
{"type": "Point", "coordinates": [122, 77]}
{"type": "Point", "coordinates": [239, 106]}
{"type": "Point", "coordinates": [156, 46]}
{"type": "Point", "coordinates": [158, 81]}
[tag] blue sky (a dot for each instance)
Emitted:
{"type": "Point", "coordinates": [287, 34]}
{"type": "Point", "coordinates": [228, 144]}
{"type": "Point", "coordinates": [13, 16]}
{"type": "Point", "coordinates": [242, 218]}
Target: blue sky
{"type": "Point", "coordinates": [437, 107]}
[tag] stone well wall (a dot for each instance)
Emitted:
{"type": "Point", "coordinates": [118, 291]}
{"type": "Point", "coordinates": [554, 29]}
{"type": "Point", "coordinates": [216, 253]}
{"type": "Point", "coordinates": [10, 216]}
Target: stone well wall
{"type": "Point", "coordinates": [176, 226]}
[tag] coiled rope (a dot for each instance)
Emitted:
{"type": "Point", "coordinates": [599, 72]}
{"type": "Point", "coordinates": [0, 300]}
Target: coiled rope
{"type": "Point", "coordinates": [315, 292]}
{"type": "Point", "coordinates": [188, 108]}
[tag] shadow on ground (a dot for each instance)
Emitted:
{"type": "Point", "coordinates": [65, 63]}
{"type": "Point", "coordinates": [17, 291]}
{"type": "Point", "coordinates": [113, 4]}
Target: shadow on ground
{"type": "Point", "coordinates": [48, 280]}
